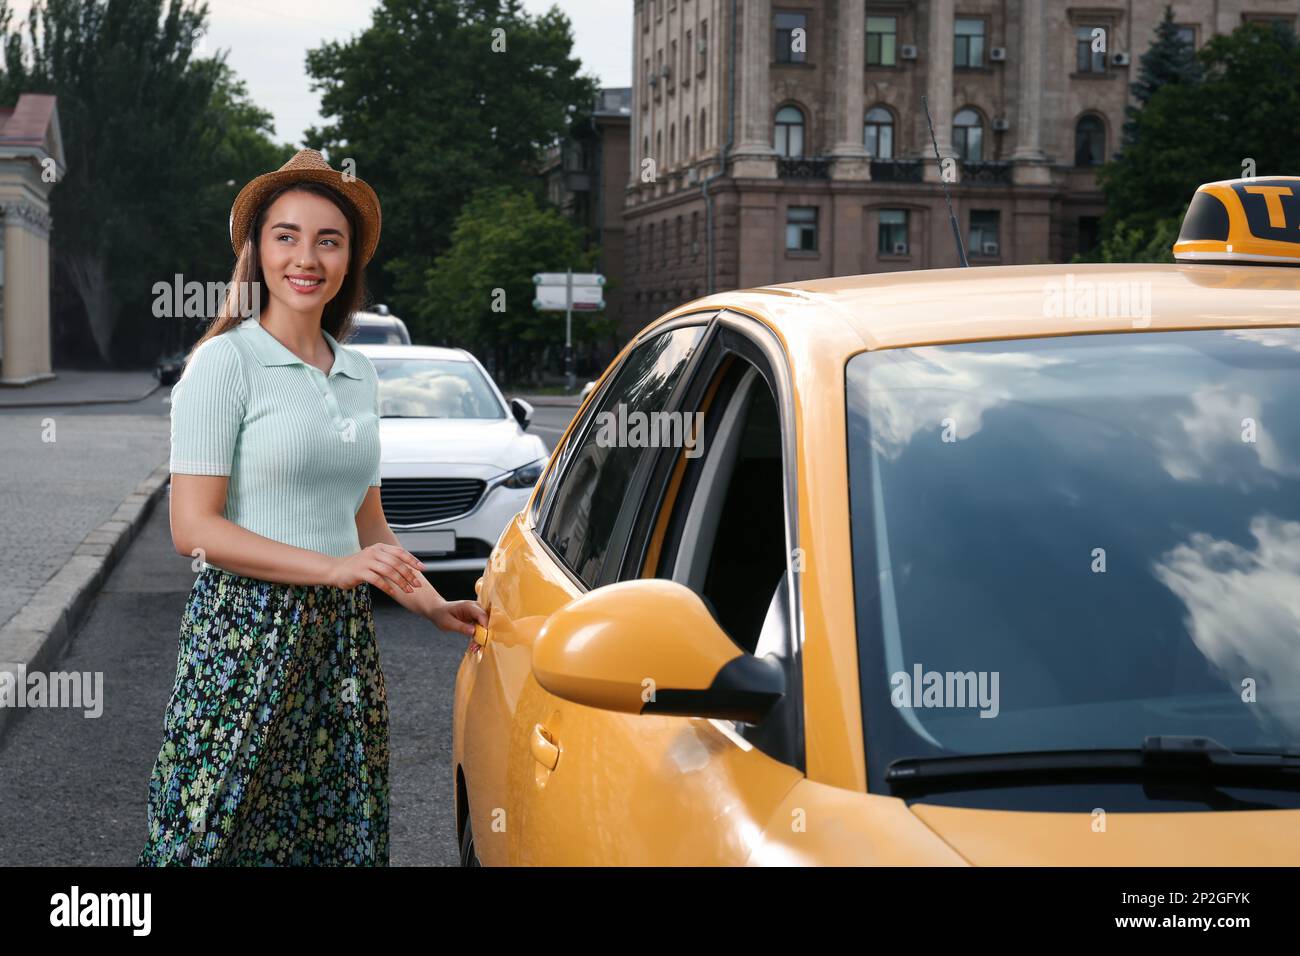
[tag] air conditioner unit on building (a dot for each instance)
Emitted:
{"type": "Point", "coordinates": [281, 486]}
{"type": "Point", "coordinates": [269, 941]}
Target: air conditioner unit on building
{"type": "Point", "coordinates": [692, 176]}
{"type": "Point", "coordinates": [900, 248]}
{"type": "Point", "coordinates": [989, 248]}
{"type": "Point", "coordinates": [666, 71]}
{"type": "Point", "coordinates": [998, 54]}
{"type": "Point", "coordinates": [907, 52]}
{"type": "Point", "coordinates": [701, 46]}
{"type": "Point", "coordinates": [1119, 59]}
{"type": "Point", "coordinates": [1001, 125]}
{"type": "Point", "coordinates": [654, 79]}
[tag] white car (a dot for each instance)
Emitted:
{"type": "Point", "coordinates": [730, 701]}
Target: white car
{"type": "Point", "coordinates": [456, 463]}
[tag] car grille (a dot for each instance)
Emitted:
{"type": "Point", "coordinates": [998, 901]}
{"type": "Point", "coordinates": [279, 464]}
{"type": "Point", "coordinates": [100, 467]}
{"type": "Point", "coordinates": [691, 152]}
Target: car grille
{"type": "Point", "coordinates": [411, 501]}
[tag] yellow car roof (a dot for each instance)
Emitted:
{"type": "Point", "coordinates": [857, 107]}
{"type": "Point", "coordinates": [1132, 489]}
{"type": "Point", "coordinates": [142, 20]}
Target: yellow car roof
{"type": "Point", "coordinates": [1243, 220]}
{"type": "Point", "coordinates": [890, 310]}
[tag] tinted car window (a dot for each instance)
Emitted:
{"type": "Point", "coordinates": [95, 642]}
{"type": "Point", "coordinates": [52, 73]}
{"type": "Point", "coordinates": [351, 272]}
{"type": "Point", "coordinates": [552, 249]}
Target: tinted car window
{"type": "Point", "coordinates": [1102, 530]}
{"type": "Point", "coordinates": [594, 485]}
{"type": "Point", "coordinates": [434, 388]}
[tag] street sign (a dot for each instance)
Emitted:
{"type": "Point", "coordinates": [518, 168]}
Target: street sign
{"type": "Point", "coordinates": [565, 292]}
{"type": "Point", "coordinates": [559, 278]}
{"type": "Point", "coordinates": [555, 295]}
{"type": "Point", "coordinates": [586, 298]}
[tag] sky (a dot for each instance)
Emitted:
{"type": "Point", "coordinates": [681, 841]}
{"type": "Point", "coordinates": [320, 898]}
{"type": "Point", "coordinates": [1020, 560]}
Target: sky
{"type": "Point", "coordinates": [268, 41]}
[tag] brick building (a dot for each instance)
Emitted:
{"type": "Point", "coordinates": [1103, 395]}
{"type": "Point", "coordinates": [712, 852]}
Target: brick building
{"type": "Point", "coordinates": [776, 140]}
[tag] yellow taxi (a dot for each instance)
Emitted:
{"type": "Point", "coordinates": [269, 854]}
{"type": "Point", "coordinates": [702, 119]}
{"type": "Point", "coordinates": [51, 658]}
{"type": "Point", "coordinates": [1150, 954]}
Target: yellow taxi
{"type": "Point", "coordinates": [958, 567]}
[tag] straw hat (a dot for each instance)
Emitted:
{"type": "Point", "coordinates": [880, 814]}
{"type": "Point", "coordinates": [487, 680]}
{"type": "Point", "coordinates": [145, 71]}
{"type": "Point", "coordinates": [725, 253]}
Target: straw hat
{"type": "Point", "coordinates": [307, 164]}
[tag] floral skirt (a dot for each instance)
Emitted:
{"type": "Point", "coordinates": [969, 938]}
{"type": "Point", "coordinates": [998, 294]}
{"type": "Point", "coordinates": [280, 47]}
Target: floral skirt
{"type": "Point", "coordinates": [275, 740]}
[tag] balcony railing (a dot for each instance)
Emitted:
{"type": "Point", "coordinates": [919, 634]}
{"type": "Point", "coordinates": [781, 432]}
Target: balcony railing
{"type": "Point", "coordinates": [896, 170]}
{"type": "Point", "coordinates": [986, 172]}
{"type": "Point", "coordinates": [803, 167]}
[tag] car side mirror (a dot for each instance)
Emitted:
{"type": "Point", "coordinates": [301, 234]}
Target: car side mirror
{"type": "Point", "coordinates": [650, 646]}
{"type": "Point", "coordinates": [522, 411]}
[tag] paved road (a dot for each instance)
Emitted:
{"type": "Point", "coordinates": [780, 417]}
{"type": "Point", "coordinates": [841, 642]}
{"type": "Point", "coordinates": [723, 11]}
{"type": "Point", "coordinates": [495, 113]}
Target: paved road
{"type": "Point", "coordinates": [73, 789]}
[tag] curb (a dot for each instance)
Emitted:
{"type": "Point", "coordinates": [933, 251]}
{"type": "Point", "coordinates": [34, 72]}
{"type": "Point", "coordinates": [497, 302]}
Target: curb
{"type": "Point", "coordinates": [80, 401]}
{"type": "Point", "coordinates": [36, 637]}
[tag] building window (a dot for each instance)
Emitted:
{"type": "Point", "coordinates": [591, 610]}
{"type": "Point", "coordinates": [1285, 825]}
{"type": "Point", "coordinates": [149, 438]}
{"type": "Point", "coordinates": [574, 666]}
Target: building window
{"type": "Point", "coordinates": [968, 135]}
{"type": "Point", "coordinates": [672, 65]}
{"type": "Point", "coordinates": [1186, 33]}
{"type": "Point", "coordinates": [702, 48]}
{"type": "Point", "coordinates": [801, 229]}
{"type": "Point", "coordinates": [968, 44]}
{"type": "Point", "coordinates": [672, 144]}
{"type": "Point", "coordinates": [1089, 60]}
{"type": "Point", "coordinates": [892, 234]}
{"type": "Point", "coordinates": [695, 233]}
{"type": "Point", "coordinates": [789, 131]}
{"type": "Point", "coordinates": [681, 250]}
{"type": "Point", "coordinates": [878, 133]}
{"type": "Point", "coordinates": [686, 139]}
{"type": "Point", "coordinates": [1089, 141]}
{"type": "Point", "coordinates": [704, 132]}
{"type": "Point", "coordinates": [984, 232]}
{"type": "Point", "coordinates": [1282, 22]}
{"type": "Point", "coordinates": [659, 147]}
{"type": "Point", "coordinates": [783, 26]}
{"type": "Point", "coordinates": [1089, 229]}
{"type": "Point", "coordinates": [882, 41]}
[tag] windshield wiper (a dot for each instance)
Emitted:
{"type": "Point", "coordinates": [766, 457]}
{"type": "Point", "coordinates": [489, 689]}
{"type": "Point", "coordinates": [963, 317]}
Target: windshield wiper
{"type": "Point", "coordinates": [1163, 757]}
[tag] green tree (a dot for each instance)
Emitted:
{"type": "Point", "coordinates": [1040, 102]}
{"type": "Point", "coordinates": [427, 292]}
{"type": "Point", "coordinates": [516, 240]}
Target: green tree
{"type": "Point", "coordinates": [1228, 123]}
{"type": "Point", "coordinates": [437, 99]}
{"type": "Point", "coordinates": [157, 143]}
{"type": "Point", "coordinates": [480, 292]}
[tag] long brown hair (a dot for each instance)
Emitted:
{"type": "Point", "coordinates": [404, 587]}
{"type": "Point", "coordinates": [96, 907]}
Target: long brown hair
{"type": "Point", "coordinates": [336, 318]}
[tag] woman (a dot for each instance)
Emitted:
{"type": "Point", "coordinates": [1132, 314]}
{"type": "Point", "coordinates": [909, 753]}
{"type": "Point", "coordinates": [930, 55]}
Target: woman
{"type": "Point", "coordinates": [275, 746]}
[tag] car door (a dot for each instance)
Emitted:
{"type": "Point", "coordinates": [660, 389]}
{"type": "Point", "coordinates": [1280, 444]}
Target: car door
{"type": "Point", "coordinates": [591, 787]}
{"type": "Point", "coordinates": [526, 581]}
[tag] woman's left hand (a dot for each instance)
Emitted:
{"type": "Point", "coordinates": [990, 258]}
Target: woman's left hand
{"type": "Point", "coordinates": [458, 616]}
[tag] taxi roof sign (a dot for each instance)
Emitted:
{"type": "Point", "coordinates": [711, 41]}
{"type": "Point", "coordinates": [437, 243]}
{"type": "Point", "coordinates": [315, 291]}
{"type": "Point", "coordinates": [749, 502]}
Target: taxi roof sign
{"type": "Point", "coordinates": [1243, 220]}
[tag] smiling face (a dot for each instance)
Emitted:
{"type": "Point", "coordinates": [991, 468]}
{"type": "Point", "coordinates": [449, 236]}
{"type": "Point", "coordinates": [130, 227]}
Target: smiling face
{"type": "Point", "coordinates": [304, 246]}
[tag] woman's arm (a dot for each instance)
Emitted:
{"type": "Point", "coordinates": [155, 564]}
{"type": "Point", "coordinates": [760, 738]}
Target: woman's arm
{"type": "Point", "coordinates": [198, 524]}
{"type": "Point", "coordinates": [372, 528]}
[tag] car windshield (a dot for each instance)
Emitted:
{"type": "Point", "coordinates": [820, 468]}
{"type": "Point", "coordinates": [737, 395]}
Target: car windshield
{"type": "Point", "coordinates": [1077, 542]}
{"type": "Point", "coordinates": [375, 335]}
{"type": "Point", "coordinates": [434, 388]}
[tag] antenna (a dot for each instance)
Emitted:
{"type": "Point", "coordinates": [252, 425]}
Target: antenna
{"type": "Point", "coordinates": [956, 230]}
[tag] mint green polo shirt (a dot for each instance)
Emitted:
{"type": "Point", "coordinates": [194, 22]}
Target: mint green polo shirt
{"type": "Point", "coordinates": [301, 447]}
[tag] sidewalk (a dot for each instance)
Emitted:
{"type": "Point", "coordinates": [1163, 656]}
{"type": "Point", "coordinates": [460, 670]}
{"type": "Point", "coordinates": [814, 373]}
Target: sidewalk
{"type": "Point", "coordinates": [76, 484]}
{"type": "Point", "coordinates": [75, 387]}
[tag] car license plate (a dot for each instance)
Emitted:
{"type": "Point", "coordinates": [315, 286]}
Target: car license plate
{"type": "Point", "coordinates": [428, 542]}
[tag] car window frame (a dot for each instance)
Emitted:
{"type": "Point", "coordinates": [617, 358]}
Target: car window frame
{"type": "Point", "coordinates": [562, 455]}
{"type": "Point", "coordinates": [745, 338]}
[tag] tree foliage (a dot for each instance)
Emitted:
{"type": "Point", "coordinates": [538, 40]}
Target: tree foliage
{"type": "Point", "coordinates": [480, 292]}
{"type": "Point", "coordinates": [1226, 122]}
{"type": "Point", "coordinates": [434, 101]}
{"type": "Point", "coordinates": [157, 142]}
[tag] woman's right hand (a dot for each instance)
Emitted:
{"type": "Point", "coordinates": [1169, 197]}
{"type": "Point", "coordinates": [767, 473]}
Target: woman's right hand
{"type": "Point", "coordinates": [386, 566]}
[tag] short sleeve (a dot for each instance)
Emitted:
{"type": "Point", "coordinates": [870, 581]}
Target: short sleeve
{"type": "Point", "coordinates": [374, 477]}
{"type": "Point", "coordinates": [208, 404]}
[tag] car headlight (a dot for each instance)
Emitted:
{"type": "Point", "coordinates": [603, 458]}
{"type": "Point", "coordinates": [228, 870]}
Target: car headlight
{"type": "Point", "coordinates": [526, 476]}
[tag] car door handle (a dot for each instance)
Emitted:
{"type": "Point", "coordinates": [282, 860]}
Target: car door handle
{"type": "Point", "coordinates": [545, 750]}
